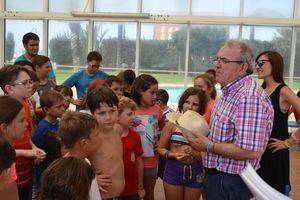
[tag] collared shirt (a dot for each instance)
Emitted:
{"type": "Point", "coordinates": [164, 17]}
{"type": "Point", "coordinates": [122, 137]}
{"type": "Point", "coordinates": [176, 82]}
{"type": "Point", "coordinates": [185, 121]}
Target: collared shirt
{"type": "Point", "coordinates": [243, 116]}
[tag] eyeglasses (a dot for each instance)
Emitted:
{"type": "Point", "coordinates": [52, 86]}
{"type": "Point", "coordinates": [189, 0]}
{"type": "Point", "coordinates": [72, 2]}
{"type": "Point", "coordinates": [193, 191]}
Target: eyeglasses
{"type": "Point", "coordinates": [225, 61]}
{"type": "Point", "coordinates": [25, 82]}
{"type": "Point", "coordinates": [95, 66]}
{"type": "Point", "coordinates": [261, 63]}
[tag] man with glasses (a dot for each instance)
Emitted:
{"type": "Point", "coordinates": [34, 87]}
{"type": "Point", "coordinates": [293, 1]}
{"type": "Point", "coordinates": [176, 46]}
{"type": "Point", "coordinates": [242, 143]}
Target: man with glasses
{"type": "Point", "coordinates": [83, 78]}
{"type": "Point", "coordinates": [240, 127]}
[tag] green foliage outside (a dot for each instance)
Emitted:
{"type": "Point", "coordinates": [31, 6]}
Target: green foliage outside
{"type": "Point", "coordinates": [60, 50]}
{"type": "Point", "coordinates": [166, 78]}
{"type": "Point", "coordinates": [108, 50]}
{"type": "Point", "coordinates": [69, 49]}
{"type": "Point", "coordinates": [168, 55]}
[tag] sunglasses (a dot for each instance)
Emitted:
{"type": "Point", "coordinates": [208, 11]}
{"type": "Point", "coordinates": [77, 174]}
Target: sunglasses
{"type": "Point", "coordinates": [261, 63]}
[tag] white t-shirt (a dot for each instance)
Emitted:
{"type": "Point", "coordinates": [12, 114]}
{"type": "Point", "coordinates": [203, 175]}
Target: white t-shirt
{"type": "Point", "coordinates": [36, 97]}
{"type": "Point", "coordinates": [94, 191]}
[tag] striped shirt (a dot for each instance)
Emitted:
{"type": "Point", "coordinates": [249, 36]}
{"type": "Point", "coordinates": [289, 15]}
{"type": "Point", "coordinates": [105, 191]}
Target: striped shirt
{"type": "Point", "coordinates": [24, 166]}
{"type": "Point", "coordinates": [243, 116]}
{"type": "Point", "coordinates": [177, 138]}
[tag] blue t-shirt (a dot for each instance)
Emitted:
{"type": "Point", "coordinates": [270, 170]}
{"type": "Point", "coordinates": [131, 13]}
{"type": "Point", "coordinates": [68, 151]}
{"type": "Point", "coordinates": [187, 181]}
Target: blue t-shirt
{"type": "Point", "coordinates": [51, 75]}
{"type": "Point", "coordinates": [81, 81]}
{"type": "Point", "coordinates": [41, 128]}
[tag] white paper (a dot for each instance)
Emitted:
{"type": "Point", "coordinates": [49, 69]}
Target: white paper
{"type": "Point", "coordinates": [259, 188]}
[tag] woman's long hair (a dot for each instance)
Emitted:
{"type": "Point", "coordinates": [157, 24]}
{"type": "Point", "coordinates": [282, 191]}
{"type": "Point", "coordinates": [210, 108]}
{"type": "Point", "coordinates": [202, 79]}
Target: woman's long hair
{"type": "Point", "coordinates": [277, 64]}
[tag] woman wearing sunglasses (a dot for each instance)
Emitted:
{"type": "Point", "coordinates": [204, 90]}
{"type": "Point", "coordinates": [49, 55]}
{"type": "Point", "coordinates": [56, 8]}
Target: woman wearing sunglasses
{"type": "Point", "coordinates": [275, 160]}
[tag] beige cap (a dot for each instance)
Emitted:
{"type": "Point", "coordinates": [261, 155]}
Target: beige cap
{"type": "Point", "coordinates": [188, 122]}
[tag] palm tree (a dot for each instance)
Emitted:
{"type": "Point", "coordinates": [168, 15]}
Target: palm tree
{"type": "Point", "coordinates": [76, 46]}
{"type": "Point", "coordinates": [121, 36]}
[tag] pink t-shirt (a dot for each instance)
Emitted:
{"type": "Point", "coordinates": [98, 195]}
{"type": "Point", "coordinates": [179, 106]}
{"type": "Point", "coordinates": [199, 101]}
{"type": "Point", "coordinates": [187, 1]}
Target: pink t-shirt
{"type": "Point", "coordinates": [148, 120]}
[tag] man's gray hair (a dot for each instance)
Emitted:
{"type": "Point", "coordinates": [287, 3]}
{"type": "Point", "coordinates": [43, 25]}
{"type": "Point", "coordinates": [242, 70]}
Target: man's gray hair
{"type": "Point", "coordinates": [246, 53]}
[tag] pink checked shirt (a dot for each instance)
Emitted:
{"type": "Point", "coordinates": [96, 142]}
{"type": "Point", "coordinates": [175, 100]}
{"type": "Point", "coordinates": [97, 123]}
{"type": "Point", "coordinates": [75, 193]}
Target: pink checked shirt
{"type": "Point", "coordinates": [243, 116]}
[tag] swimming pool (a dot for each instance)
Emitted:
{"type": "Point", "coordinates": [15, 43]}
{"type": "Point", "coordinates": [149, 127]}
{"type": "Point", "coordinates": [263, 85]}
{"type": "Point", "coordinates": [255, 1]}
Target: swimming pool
{"type": "Point", "coordinates": [174, 93]}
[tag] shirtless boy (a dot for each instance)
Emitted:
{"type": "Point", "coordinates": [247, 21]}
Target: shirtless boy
{"type": "Point", "coordinates": [108, 161]}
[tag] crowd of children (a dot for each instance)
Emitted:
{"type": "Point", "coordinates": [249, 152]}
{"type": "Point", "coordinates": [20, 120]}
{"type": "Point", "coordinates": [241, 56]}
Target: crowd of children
{"type": "Point", "coordinates": [114, 148]}
{"type": "Point", "coordinates": [118, 136]}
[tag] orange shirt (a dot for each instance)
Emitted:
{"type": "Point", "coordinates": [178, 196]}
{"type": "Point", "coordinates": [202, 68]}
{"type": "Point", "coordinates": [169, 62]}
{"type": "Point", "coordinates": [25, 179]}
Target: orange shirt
{"type": "Point", "coordinates": [24, 166]}
{"type": "Point", "coordinates": [209, 109]}
{"type": "Point", "coordinates": [13, 173]}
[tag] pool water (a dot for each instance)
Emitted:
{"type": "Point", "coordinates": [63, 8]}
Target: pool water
{"type": "Point", "coordinates": [174, 93]}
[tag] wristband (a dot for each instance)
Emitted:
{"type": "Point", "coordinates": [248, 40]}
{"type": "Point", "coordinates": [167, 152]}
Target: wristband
{"type": "Point", "coordinates": [208, 147]}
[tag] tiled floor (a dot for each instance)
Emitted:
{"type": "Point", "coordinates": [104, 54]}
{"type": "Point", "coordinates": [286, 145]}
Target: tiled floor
{"type": "Point", "coordinates": [294, 175]}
